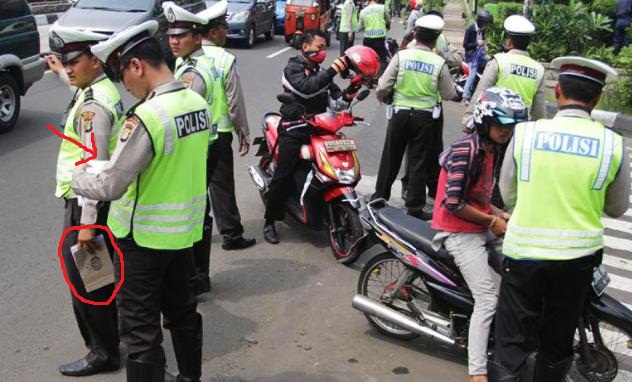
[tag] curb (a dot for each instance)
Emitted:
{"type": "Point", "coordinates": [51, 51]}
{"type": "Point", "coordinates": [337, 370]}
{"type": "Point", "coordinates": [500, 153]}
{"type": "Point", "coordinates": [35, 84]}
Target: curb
{"type": "Point", "coordinates": [46, 19]}
{"type": "Point", "coordinates": [621, 123]}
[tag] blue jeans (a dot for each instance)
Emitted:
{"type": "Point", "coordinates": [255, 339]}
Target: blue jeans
{"type": "Point", "coordinates": [468, 89]}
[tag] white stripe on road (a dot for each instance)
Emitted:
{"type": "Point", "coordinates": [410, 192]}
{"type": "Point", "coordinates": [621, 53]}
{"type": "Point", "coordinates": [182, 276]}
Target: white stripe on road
{"type": "Point", "coordinates": [619, 225]}
{"type": "Point", "coordinates": [617, 243]}
{"type": "Point", "coordinates": [617, 262]}
{"type": "Point", "coordinates": [620, 283]}
{"type": "Point", "coordinates": [279, 52]}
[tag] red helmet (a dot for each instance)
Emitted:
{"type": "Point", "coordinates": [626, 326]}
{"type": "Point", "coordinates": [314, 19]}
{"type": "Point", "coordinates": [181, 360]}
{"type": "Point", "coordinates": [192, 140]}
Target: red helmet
{"type": "Point", "coordinates": [363, 60]}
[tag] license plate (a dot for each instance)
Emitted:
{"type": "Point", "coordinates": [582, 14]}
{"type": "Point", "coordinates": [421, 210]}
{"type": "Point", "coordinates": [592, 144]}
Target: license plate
{"type": "Point", "coordinates": [340, 145]}
{"type": "Point", "coordinates": [600, 280]}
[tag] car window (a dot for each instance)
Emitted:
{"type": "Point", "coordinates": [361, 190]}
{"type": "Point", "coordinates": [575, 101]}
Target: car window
{"type": "Point", "coordinates": [116, 5]}
{"type": "Point", "coordinates": [240, 1]}
{"type": "Point", "coordinates": [10, 9]}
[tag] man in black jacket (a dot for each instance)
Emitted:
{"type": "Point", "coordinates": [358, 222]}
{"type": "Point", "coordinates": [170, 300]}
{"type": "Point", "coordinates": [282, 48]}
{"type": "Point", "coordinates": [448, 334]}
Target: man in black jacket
{"type": "Point", "coordinates": [473, 39]}
{"type": "Point", "coordinates": [314, 90]}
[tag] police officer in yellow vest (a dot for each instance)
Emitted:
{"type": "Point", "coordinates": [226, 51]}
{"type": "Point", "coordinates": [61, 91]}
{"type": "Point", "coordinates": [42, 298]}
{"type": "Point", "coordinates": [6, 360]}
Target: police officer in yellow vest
{"type": "Point", "coordinates": [514, 70]}
{"type": "Point", "coordinates": [348, 25]}
{"type": "Point", "coordinates": [414, 83]}
{"type": "Point", "coordinates": [561, 175]}
{"type": "Point", "coordinates": [229, 115]}
{"type": "Point", "coordinates": [157, 181]}
{"type": "Point", "coordinates": [95, 111]}
{"type": "Point", "coordinates": [195, 69]}
{"type": "Point", "coordinates": [375, 21]}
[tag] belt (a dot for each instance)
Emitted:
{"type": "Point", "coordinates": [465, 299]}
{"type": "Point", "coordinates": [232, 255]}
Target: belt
{"type": "Point", "coordinates": [398, 108]}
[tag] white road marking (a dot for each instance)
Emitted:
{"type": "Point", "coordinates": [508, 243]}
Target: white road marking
{"type": "Point", "coordinates": [620, 283]}
{"type": "Point", "coordinates": [619, 225]}
{"type": "Point", "coordinates": [279, 52]}
{"type": "Point", "coordinates": [617, 243]}
{"type": "Point", "coordinates": [617, 262]}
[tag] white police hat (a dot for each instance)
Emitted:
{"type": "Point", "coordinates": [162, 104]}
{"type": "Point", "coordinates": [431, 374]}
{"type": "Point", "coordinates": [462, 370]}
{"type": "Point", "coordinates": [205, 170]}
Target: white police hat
{"type": "Point", "coordinates": [519, 25]}
{"type": "Point", "coordinates": [69, 43]}
{"type": "Point", "coordinates": [216, 14]}
{"type": "Point", "coordinates": [110, 50]}
{"type": "Point", "coordinates": [430, 22]}
{"type": "Point", "coordinates": [584, 68]}
{"type": "Point", "coordinates": [180, 20]}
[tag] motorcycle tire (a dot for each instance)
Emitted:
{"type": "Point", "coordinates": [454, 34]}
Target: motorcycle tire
{"type": "Point", "coordinates": [611, 357]}
{"type": "Point", "coordinates": [341, 247]}
{"type": "Point", "coordinates": [374, 268]}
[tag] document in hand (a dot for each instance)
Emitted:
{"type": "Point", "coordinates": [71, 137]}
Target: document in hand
{"type": "Point", "coordinates": [95, 268]}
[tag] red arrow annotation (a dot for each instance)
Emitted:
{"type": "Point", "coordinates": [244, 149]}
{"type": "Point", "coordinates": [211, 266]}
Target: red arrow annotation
{"type": "Point", "coordinates": [92, 151]}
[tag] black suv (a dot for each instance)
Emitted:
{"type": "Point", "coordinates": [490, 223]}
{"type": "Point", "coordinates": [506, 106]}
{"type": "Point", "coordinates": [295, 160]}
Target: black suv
{"type": "Point", "coordinates": [20, 63]}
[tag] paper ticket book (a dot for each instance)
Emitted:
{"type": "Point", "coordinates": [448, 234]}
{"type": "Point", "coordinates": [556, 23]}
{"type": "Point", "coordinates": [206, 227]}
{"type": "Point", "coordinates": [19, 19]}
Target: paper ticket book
{"type": "Point", "coordinates": [95, 268]}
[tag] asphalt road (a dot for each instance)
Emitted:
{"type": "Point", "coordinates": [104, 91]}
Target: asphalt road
{"type": "Point", "coordinates": [276, 313]}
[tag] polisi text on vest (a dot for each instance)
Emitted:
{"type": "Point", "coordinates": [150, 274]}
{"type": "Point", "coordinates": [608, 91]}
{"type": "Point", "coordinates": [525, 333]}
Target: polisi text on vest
{"type": "Point", "coordinates": [567, 144]}
{"type": "Point", "coordinates": [523, 71]}
{"type": "Point", "coordinates": [190, 123]}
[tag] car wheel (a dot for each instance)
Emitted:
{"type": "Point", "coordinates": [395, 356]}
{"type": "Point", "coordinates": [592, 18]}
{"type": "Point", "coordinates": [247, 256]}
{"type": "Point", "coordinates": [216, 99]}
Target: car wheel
{"type": "Point", "coordinates": [9, 102]}
{"type": "Point", "coordinates": [270, 33]}
{"type": "Point", "coordinates": [250, 40]}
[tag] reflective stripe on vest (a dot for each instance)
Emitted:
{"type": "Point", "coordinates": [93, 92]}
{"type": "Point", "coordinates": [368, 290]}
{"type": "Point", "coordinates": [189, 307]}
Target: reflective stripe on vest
{"type": "Point", "coordinates": [563, 165]}
{"type": "Point", "coordinates": [106, 95]}
{"type": "Point", "coordinates": [344, 16]}
{"type": "Point", "coordinates": [221, 62]}
{"type": "Point", "coordinates": [374, 21]}
{"type": "Point", "coordinates": [519, 73]}
{"type": "Point", "coordinates": [417, 84]}
{"type": "Point", "coordinates": [164, 207]}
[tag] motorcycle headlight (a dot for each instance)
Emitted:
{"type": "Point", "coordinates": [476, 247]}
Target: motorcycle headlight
{"type": "Point", "coordinates": [346, 176]}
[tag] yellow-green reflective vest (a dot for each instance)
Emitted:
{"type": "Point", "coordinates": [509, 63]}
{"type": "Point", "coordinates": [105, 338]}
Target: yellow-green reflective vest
{"type": "Point", "coordinates": [344, 16]}
{"type": "Point", "coordinates": [519, 73]}
{"type": "Point", "coordinates": [564, 166]}
{"type": "Point", "coordinates": [164, 207]}
{"type": "Point", "coordinates": [105, 94]}
{"type": "Point", "coordinates": [417, 84]}
{"type": "Point", "coordinates": [374, 21]}
{"type": "Point", "coordinates": [222, 62]}
{"type": "Point", "coordinates": [202, 66]}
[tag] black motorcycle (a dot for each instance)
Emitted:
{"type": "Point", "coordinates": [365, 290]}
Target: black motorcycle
{"type": "Point", "coordinates": [411, 290]}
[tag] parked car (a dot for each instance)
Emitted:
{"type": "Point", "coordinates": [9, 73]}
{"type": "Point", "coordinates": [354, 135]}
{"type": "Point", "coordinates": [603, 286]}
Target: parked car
{"type": "Point", "coordinates": [249, 18]}
{"type": "Point", "coordinates": [109, 16]}
{"type": "Point", "coordinates": [20, 63]}
{"type": "Point", "coordinates": [280, 16]}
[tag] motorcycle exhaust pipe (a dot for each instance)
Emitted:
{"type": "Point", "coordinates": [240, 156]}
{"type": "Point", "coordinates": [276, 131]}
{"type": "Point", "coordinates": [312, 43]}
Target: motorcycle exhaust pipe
{"type": "Point", "coordinates": [258, 177]}
{"type": "Point", "coordinates": [366, 305]}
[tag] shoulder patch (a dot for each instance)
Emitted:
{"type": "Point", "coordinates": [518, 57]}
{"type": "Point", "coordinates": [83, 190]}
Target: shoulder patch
{"type": "Point", "coordinates": [128, 127]}
{"type": "Point", "coordinates": [86, 121]}
{"type": "Point", "coordinates": [187, 79]}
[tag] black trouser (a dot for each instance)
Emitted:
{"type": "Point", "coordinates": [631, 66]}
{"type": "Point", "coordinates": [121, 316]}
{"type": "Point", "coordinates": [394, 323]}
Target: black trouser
{"type": "Point", "coordinates": [97, 324]}
{"type": "Point", "coordinates": [377, 44]}
{"type": "Point", "coordinates": [281, 185]}
{"type": "Point", "coordinates": [416, 130]}
{"type": "Point", "coordinates": [223, 199]}
{"type": "Point", "coordinates": [157, 281]}
{"type": "Point", "coordinates": [620, 39]}
{"type": "Point", "coordinates": [202, 249]}
{"type": "Point", "coordinates": [345, 43]}
{"type": "Point", "coordinates": [396, 8]}
{"type": "Point", "coordinates": [542, 299]}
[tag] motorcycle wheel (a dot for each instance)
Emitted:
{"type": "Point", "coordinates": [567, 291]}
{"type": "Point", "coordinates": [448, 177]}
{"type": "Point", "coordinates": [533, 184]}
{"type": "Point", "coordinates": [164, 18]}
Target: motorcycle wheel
{"type": "Point", "coordinates": [346, 218]}
{"type": "Point", "coordinates": [378, 275]}
{"type": "Point", "coordinates": [611, 356]}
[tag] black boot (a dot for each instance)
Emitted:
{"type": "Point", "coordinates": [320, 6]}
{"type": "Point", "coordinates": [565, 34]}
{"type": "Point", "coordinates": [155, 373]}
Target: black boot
{"type": "Point", "coordinates": [498, 373]}
{"type": "Point", "coordinates": [143, 371]}
{"type": "Point", "coordinates": [188, 348]}
{"type": "Point", "coordinates": [270, 233]}
{"type": "Point", "coordinates": [551, 371]}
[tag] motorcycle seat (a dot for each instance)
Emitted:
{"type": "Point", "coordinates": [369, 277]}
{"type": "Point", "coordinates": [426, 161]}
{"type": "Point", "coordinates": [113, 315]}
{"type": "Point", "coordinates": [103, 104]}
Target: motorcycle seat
{"type": "Point", "coordinates": [415, 231]}
{"type": "Point", "coordinates": [271, 125]}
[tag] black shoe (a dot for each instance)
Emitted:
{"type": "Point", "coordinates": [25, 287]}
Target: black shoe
{"type": "Point", "coordinates": [424, 214]}
{"type": "Point", "coordinates": [82, 368]}
{"type": "Point", "coordinates": [142, 371]}
{"type": "Point", "coordinates": [270, 233]}
{"type": "Point", "coordinates": [241, 243]}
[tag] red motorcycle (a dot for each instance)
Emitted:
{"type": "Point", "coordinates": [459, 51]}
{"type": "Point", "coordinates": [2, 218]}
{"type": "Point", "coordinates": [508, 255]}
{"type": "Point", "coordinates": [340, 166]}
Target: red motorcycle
{"type": "Point", "coordinates": [323, 194]}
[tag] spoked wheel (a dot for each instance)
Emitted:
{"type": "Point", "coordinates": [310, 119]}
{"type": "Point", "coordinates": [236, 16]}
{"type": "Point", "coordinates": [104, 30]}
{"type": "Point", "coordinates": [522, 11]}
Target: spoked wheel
{"type": "Point", "coordinates": [344, 231]}
{"type": "Point", "coordinates": [377, 279]}
{"type": "Point", "coordinates": [611, 355]}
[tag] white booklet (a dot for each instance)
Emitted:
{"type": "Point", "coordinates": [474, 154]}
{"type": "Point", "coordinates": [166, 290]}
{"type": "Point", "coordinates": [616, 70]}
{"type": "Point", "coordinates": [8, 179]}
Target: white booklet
{"type": "Point", "coordinates": [96, 269]}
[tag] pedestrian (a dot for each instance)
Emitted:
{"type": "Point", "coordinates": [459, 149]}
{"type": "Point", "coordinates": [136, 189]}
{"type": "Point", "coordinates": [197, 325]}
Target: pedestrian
{"type": "Point", "coordinates": [415, 82]}
{"type": "Point", "coordinates": [229, 116]}
{"type": "Point", "coordinates": [624, 19]}
{"type": "Point", "coordinates": [195, 70]}
{"type": "Point", "coordinates": [94, 112]}
{"type": "Point", "coordinates": [561, 174]}
{"type": "Point", "coordinates": [475, 43]}
{"type": "Point", "coordinates": [414, 15]}
{"type": "Point", "coordinates": [467, 221]}
{"type": "Point", "coordinates": [348, 25]}
{"type": "Point", "coordinates": [157, 181]}
{"type": "Point", "coordinates": [375, 22]}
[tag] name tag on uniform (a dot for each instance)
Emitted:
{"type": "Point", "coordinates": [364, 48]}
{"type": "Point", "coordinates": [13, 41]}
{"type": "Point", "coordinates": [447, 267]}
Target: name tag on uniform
{"type": "Point", "coordinates": [567, 144]}
{"type": "Point", "coordinates": [523, 71]}
{"type": "Point", "coordinates": [192, 123]}
{"type": "Point", "coordinates": [419, 66]}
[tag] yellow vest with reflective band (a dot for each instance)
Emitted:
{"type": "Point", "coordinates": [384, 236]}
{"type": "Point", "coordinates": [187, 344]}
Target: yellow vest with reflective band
{"type": "Point", "coordinates": [564, 166]}
{"type": "Point", "coordinates": [417, 84]}
{"type": "Point", "coordinates": [164, 207]}
{"type": "Point", "coordinates": [222, 62]}
{"type": "Point", "coordinates": [374, 21]}
{"type": "Point", "coordinates": [344, 16]}
{"type": "Point", "coordinates": [105, 94]}
{"type": "Point", "coordinates": [519, 73]}
{"type": "Point", "coordinates": [202, 65]}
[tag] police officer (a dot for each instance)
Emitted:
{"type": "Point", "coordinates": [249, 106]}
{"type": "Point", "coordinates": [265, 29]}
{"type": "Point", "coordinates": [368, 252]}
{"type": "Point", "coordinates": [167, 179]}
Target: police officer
{"type": "Point", "coordinates": [375, 22]}
{"type": "Point", "coordinates": [555, 236]}
{"type": "Point", "coordinates": [229, 116]}
{"type": "Point", "coordinates": [194, 69]}
{"type": "Point", "coordinates": [348, 25]}
{"type": "Point", "coordinates": [514, 70]}
{"type": "Point", "coordinates": [95, 111]}
{"type": "Point", "coordinates": [158, 183]}
{"type": "Point", "coordinates": [415, 82]}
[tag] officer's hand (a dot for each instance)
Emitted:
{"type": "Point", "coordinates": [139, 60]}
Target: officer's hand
{"type": "Point", "coordinates": [500, 227]}
{"type": "Point", "coordinates": [340, 64]}
{"type": "Point", "coordinates": [54, 63]}
{"type": "Point", "coordinates": [244, 146]}
{"type": "Point", "coordinates": [505, 216]}
{"type": "Point", "coordinates": [86, 239]}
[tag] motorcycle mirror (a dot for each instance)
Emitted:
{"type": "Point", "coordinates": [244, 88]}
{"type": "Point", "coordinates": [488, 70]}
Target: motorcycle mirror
{"type": "Point", "coordinates": [285, 98]}
{"type": "Point", "coordinates": [363, 94]}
